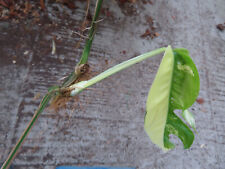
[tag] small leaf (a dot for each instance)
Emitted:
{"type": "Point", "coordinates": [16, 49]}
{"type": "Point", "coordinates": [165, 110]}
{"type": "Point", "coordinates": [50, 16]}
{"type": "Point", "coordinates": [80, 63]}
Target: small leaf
{"type": "Point", "coordinates": [176, 86]}
{"type": "Point", "coordinates": [189, 118]}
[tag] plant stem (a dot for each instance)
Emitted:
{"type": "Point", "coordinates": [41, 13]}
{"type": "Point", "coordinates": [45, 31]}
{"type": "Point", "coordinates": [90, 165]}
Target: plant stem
{"type": "Point", "coordinates": [84, 58]}
{"type": "Point", "coordinates": [69, 80]}
{"type": "Point", "coordinates": [86, 51]}
{"type": "Point", "coordinates": [78, 87]}
{"type": "Point", "coordinates": [14, 151]}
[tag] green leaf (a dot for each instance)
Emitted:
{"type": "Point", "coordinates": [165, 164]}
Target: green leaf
{"type": "Point", "coordinates": [176, 86]}
{"type": "Point", "coordinates": [189, 118]}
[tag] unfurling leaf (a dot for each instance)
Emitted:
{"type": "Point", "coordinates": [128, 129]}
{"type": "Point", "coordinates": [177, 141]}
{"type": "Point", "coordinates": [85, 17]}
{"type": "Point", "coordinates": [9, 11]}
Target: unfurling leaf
{"type": "Point", "coordinates": [176, 86]}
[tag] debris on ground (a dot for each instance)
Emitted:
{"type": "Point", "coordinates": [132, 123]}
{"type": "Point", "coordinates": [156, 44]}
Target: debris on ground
{"type": "Point", "coordinates": [200, 100]}
{"type": "Point", "coordinates": [124, 1]}
{"type": "Point", "coordinates": [107, 12]}
{"type": "Point", "coordinates": [37, 96]}
{"type": "Point", "coordinates": [53, 45]}
{"type": "Point", "coordinates": [123, 52]}
{"type": "Point", "coordinates": [17, 10]}
{"type": "Point", "coordinates": [42, 3]}
{"type": "Point", "coordinates": [151, 31]}
{"type": "Point", "coordinates": [147, 2]}
{"type": "Point", "coordinates": [68, 3]}
{"type": "Point", "coordinates": [202, 146]}
{"type": "Point", "coordinates": [221, 27]}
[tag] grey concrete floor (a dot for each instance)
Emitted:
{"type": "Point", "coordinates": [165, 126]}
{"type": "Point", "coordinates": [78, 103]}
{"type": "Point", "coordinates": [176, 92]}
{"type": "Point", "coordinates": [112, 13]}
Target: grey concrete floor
{"type": "Point", "coordinates": [104, 126]}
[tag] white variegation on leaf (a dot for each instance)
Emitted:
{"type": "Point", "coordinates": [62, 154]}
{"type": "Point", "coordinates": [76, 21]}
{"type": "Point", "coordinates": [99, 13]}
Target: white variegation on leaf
{"type": "Point", "coordinates": [158, 100]}
{"type": "Point", "coordinates": [189, 118]}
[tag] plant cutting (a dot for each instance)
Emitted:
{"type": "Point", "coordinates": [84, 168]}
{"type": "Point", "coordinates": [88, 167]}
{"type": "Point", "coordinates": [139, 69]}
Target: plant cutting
{"type": "Point", "coordinates": [176, 87]}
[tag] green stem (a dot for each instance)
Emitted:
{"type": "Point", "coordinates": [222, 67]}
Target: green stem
{"type": "Point", "coordinates": [69, 80]}
{"type": "Point", "coordinates": [87, 48]}
{"type": "Point", "coordinates": [84, 58]}
{"type": "Point", "coordinates": [78, 87]}
{"type": "Point", "coordinates": [19, 143]}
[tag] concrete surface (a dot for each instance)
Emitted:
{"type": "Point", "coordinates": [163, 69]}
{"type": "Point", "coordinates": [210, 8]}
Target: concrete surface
{"type": "Point", "coordinates": [104, 127]}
